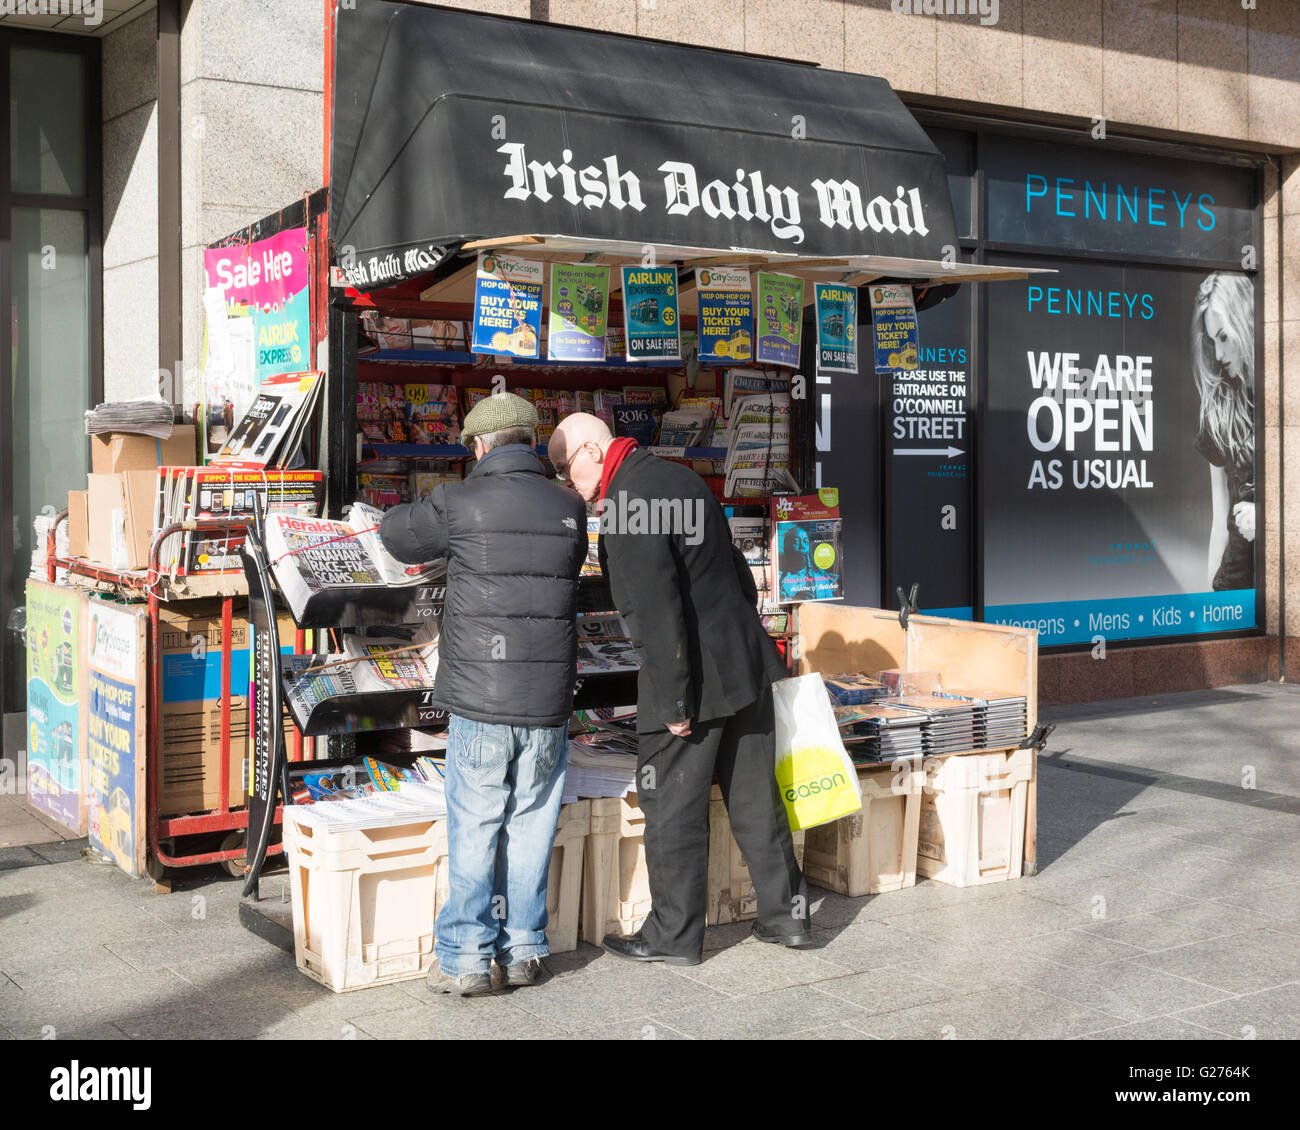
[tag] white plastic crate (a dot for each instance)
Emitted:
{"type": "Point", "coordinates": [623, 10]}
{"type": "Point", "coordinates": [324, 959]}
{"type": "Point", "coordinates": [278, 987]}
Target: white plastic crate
{"type": "Point", "coordinates": [972, 827]}
{"type": "Point", "coordinates": [615, 881]}
{"type": "Point", "coordinates": [873, 850]}
{"type": "Point", "coordinates": [731, 890]}
{"type": "Point", "coordinates": [365, 901]}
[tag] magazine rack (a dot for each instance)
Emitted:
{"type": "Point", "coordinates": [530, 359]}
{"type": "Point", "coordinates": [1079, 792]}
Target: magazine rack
{"type": "Point", "coordinates": [351, 713]}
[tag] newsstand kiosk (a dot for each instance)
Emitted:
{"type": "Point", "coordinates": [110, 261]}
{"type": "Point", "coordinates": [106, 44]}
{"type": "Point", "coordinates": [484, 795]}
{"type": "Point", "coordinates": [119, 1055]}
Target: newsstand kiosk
{"type": "Point", "coordinates": [457, 137]}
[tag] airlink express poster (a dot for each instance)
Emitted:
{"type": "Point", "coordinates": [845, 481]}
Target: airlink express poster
{"type": "Point", "coordinates": [650, 314]}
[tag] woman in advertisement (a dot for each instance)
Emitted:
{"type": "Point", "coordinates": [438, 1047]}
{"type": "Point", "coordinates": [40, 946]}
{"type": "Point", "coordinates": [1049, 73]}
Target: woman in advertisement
{"type": "Point", "coordinates": [1223, 365]}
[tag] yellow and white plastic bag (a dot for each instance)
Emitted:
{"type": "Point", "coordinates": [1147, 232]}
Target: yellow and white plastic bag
{"type": "Point", "coordinates": [814, 775]}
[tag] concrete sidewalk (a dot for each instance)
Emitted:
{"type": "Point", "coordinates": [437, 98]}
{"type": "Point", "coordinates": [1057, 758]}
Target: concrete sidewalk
{"type": "Point", "coordinates": [1167, 905]}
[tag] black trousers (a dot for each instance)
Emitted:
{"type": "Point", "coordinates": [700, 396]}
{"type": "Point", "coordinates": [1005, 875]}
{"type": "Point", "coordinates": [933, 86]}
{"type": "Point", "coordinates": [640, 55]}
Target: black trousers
{"type": "Point", "coordinates": [674, 778]}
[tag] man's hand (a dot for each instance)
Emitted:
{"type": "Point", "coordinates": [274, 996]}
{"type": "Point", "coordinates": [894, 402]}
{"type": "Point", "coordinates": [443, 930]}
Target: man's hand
{"type": "Point", "coordinates": [680, 729]}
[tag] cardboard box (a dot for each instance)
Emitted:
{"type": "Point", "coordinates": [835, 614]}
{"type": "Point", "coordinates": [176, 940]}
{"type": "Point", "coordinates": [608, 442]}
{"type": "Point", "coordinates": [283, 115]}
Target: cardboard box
{"type": "Point", "coordinates": [120, 518]}
{"type": "Point", "coordinates": [190, 731]}
{"type": "Point", "coordinates": [111, 452]}
{"type": "Point", "coordinates": [78, 523]}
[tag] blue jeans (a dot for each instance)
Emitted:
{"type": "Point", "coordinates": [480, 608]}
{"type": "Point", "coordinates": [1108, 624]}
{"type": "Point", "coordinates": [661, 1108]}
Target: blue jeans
{"type": "Point", "coordinates": [504, 787]}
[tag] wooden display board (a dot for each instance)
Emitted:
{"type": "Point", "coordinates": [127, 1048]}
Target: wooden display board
{"type": "Point", "coordinates": [833, 638]}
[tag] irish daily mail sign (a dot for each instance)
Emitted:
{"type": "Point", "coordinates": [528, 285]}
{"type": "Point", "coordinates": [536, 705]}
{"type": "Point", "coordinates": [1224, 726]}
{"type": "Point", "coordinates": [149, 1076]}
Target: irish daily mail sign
{"type": "Point", "coordinates": [451, 126]}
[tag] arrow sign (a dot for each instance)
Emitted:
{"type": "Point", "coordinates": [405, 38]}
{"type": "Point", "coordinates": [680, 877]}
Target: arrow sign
{"type": "Point", "coordinates": [947, 452]}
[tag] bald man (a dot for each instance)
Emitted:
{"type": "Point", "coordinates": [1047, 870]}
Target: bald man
{"type": "Point", "coordinates": [704, 701]}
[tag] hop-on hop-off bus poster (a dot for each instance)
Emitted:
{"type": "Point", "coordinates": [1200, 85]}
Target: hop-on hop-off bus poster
{"type": "Point", "coordinates": [650, 314]}
{"type": "Point", "coordinates": [893, 317]}
{"type": "Point", "coordinates": [726, 322]}
{"type": "Point", "coordinates": [579, 310]}
{"type": "Point", "coordinates": [258, 323]}
{"type": "Point", "coordinates": [507, 306]}
{"type": "Point", "coordinates": [115, 729]}
{"type": "Point", "coordinates": [780, 319]}
{"type": "Point", "coordinates": [56, 725]}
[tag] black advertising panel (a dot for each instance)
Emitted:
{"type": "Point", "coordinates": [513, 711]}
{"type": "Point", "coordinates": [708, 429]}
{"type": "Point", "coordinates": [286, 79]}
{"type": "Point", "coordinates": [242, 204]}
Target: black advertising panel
{"type": "Point", "coordinates": [1089, 198]}
{"type": "Point", "coordinates": [450, 125]}
{"type": "Point", "coordinates": [1119, 452]}
{"type": "Point", "coordinates": [929, 464]}
{"type": "Point", "coordinates": [846, 424]}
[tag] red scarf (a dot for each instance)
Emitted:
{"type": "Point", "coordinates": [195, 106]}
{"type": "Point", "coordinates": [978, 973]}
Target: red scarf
{"type": "Point", "coordinates": [615, 453]}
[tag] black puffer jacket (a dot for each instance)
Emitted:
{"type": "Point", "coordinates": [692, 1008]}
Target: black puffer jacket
{"type": "Point", "coordinates": [514, 543]}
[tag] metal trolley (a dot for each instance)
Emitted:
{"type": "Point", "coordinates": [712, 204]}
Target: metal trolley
{"type": "Point", "coordinates": [163, 832]}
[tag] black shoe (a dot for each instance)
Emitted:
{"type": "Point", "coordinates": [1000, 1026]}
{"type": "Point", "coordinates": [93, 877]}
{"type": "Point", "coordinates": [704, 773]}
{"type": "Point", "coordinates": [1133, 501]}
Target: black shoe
{"type": "Point", "coordinates": [521, 973]}
{"type": "Point", "coordinates": [800, 941]}
{"type": "Point", "coordinates": [636, 948]}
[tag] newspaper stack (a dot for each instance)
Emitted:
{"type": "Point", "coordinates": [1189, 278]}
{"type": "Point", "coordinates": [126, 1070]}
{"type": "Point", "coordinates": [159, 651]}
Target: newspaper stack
{"type": "Point", "coordinates": [1002, 716]}
{"type": "Point", "coordinates": [367, 664]}
{"type": "Point", "coordinates": [415, 800]}
{"type": "Point", "coordinates": [150, 416]}
{"type": "Point", "coordinates": [758, 445]}
{"type": "Point", "coordinates": [604, 647]}
{"type": "Point", "coordinates": [889, 733]}
{"type": "Point", "coordinates": [313, 556]}
{"type": "Point", "coordinates": [949, 726]}
{"type": "Point", "coordinates": [601, 764]}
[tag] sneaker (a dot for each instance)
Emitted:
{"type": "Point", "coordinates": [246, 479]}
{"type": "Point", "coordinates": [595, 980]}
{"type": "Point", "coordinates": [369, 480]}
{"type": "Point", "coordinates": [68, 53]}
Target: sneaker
{"type": "Point", "coordinates": [524, 972]}
{"type": "Point", "coordinates": [467, 985]}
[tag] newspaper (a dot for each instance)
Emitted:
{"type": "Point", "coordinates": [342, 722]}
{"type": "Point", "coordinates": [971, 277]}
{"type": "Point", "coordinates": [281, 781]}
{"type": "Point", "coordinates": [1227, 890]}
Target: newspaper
{"type": "Point", "coordinates": [365, 520]}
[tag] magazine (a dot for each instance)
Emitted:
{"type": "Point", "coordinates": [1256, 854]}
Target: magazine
{"type": "Point", "coordinates": [806, 537]}
{"type": "Point", "coordinates": [271, 430]}
{"type": "Point", "coordinates": [225, 492]}
{"type": "Point", "coordinates": [603, 645]}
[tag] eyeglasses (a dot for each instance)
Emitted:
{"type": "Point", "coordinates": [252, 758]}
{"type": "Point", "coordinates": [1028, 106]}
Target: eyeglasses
{"type": "Point", "coordinates": [562, 471]}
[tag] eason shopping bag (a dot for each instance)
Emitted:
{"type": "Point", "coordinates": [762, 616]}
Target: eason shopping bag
{"type": "Point", "coordinates": [815, 777]}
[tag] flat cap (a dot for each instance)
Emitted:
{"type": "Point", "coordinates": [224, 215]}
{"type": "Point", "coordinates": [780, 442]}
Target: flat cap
{"type": "Point", "coordinates": [492, 413]}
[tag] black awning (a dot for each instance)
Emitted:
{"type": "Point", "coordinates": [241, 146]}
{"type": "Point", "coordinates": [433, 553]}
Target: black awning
{"type": "Point", "coordinates": [451, 126]}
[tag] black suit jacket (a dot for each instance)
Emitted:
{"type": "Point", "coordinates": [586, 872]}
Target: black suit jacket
{"type": "Point", "coordinates": [685, 593]}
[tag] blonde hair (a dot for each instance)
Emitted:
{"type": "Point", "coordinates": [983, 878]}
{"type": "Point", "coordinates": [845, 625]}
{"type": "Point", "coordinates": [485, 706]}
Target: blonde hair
{"type": "Point", "coordinates": [1227, 411]}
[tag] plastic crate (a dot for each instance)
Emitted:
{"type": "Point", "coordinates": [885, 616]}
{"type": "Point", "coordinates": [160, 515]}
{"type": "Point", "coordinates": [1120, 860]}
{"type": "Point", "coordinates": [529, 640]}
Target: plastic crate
{"type": "Point", "coordinates": [874, 850]}
{"type": "Point", "coordinates": [972, 827]}
{"type": "Point", "coordinates": [731, 890]}
{"type": "Point", "coordinates": [615, 881]}
{"type": "Point", "coordinates": [365, 902]}
{"type": "Point", "coordinates": [564, 886]}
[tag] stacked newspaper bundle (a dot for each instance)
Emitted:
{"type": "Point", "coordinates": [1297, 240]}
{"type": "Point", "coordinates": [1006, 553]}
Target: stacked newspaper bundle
{"type": "Point", "coordinates": [415, 800]}
{"type": "Point", "coordinates": [315, 556]}
{"type": "Point", "coordinates": [149, 416]}
{"type": "Point", "coordinates": [687, 426]}
{"type": "Point", "coordinates": [271, 431]}
{"type": "Point", "coordinates": [602, 763]}
{"type": "Point", "coordinates": [1001, 718]}
{"type": "Point", "coordinates": [757, 435]}
{"type": "Point", "coordinates": [367, 664]}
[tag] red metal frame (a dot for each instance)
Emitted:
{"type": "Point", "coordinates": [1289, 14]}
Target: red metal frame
{"type": "Point", "coordinates": [222, 818]}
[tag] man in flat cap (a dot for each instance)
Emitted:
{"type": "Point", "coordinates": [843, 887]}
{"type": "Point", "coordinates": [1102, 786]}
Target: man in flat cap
{"type": "Point", "coordinates": [514, 544]}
